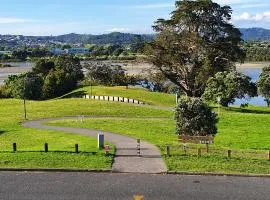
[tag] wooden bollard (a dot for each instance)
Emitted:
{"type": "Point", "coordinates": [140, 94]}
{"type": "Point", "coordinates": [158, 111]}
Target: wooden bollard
{"type": "Point", "coordinates": [138, 147]}
{"type": "Point", "coordinates": [229, 153]}
{"type": "Point", "coordinates": [207, 148]}
{"type": "Point", "coordinates": [168, 151]}
{"type": "Point", "coordinates": [133, 100]}
{"type": "Point", "coordinates": [269, 155]}
{"type": "Point", "coordinates": [118, 98]}
{"type": "Point", "coordinates": [123, 99]}
{"type": "Point", "coordinates": [76, 148]}
{"type": "Point", "coordinates": [46, 147]}
{"type": "Point", "coordinates": [128, 100]}
{"type": "Point", "coordinates": [108, 98]}
{"type": "Point", "coordinates": [14, 147]}
{"type": "Point", "coordinates": [113, 98]}
{"type": "Point", "coordinates": [199, 152]}
{"type": "Point", "coordinates": [138, 102]}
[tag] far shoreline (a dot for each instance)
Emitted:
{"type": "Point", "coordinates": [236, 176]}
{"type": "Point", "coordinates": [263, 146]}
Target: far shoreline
{"type": "Point", "coordinates": [253, 64]}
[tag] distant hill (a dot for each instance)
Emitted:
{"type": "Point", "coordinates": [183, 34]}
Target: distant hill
{"type": "Point", "coordinates": [111, 38]}
{"type": "Point", "coordinates": [255, 34]}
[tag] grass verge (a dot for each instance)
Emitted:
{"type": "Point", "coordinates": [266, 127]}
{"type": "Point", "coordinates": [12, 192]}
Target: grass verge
{"type": "Point", "coordinates": [161, 133]}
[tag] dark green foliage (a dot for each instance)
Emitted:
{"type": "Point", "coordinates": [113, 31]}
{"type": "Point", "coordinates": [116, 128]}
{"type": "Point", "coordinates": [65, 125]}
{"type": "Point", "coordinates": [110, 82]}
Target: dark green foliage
{"type": "Point", "coordinates": [264, 84]}
{"type": "Point", "coordinates": [20, 54]}
{"type": "Point", "coordinates": [50, 78]}
{"type": "Point", "coordinates": [106, 73]}
{"type": "Point", "coordinates": [194, 117]}
{"type": "Point", "coordinates": [194, 44]}
{"type": "Point", "coordinates": [27, 85]}
{"type": "Point", "coordinates": [227, 86]}
{"type": "Point", "coordinates": [257, 51]}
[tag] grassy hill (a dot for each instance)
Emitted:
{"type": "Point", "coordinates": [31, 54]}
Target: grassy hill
{"type": "Point", "coordinates": [152, 98]}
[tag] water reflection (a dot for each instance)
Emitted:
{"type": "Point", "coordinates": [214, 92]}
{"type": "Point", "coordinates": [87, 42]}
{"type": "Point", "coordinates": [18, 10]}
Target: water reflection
{"type": "Point", "coordinates": [254, 74]}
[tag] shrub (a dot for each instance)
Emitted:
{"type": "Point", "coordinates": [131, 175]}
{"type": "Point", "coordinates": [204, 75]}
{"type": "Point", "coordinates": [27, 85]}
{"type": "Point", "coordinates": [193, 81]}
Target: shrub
{"type": "Point", "coordinates": [194, 117]}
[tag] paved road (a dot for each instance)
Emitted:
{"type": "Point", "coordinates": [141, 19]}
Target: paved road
{"type": "Point", "coordinates": [110, 186]}
{"type": "Point", "coordinates": [126, 159]}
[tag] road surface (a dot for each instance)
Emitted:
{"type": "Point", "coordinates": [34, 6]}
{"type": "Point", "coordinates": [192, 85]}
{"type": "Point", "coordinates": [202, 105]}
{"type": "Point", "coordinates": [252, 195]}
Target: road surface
{"type": "Point", "coordinates": [110, 186]}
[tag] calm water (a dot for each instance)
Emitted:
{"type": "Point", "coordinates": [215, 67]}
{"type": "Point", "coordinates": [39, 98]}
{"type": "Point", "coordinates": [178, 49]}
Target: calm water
{"type": "Point", "coordinates": [254, 73]}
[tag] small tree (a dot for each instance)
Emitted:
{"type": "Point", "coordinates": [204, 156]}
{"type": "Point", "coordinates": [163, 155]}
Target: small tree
{"type": "Point", "coordinates": [264, 84]}
{"type": "Point", "coordinates": [27, 85]}
{"type": "Point", "coordinates": [194, 117]}
{"type": "Point", "coordinates": [226, 86]}
{"type": "Point", "coordinates": [106, 73]}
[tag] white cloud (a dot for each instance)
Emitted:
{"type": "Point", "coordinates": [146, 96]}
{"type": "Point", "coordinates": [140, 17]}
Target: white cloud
{"type": "Point", "coordinates": [259, 17]}
{"type": "Point", "coordinates": [10, 20]}
{"type": "Point", "coordinates": [123, 30]}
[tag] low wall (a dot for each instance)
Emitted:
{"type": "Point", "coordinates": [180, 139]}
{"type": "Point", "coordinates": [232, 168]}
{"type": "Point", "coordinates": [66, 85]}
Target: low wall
{"type": "Point", "coordinates": [113, 98]}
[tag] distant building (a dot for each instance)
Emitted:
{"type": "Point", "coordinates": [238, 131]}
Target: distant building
{"type": "Point", "coordinates": [5, 52]}
{"type": "Point", "coordinates": [81, 51]}
{"type": "Point", "coordinates": [71, 51]}
{"type": "Point", "coordinates": [58, 51]}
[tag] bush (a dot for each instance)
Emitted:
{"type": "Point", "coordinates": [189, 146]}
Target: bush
{"type": "Point", "coordinates": [194, 117]}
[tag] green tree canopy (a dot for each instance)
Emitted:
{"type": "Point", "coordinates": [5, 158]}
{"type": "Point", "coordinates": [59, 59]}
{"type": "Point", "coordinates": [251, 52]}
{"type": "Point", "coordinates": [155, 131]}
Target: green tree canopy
{"type": "Point", "coordinates": [194, 117]}
{"type": "Point", "coordinates": [264, 84]}
{"type": "Point", "coordinates": [194, 44]}
{"type": "Point", "coordinates": [226, 86]}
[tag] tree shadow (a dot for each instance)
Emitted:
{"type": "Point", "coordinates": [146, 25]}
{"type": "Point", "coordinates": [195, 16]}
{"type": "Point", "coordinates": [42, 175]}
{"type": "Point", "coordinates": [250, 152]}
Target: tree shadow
{"type": "Point", "coordinates": [59, 152]}
{"type": "Point", "coordinates": [2, 132]}
{"type": "Point", "coordinates": [75, 94]}
{"type": "Point", "coordinates": [246, 110]}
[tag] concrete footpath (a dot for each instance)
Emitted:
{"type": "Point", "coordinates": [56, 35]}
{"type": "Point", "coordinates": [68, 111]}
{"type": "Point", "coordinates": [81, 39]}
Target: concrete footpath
{"type": "Point", "coordinates": [126, 159]}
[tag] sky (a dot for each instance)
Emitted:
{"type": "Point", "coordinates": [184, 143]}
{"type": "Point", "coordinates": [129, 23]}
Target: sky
{"type": "Point", "coordinates": [55, 17]}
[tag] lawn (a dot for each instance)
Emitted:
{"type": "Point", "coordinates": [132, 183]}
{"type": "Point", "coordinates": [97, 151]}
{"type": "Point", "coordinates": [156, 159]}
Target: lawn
{"type": "Point", "coordinates": [152, 98]}
{"type": "Point", "coordinates": [30, 142]}
{"type": "Point", "coordinates": [245, 131]}
{"type": "Point", "coordinates": [237, 130]}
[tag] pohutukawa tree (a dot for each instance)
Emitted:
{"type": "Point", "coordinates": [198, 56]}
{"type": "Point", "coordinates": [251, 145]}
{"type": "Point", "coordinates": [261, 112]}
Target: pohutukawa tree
{"type": "Point", "coordinates": [194, 44]}
{"type": "Point", "coordinates": [264, 84]}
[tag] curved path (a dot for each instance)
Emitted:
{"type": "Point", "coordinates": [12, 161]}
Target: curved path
{"type": "Point", "coordinates": [126, 159]}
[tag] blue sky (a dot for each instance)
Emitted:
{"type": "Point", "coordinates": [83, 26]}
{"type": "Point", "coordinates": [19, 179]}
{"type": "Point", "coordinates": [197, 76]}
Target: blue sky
{"type": "Point", "coordinates": [54, 17]}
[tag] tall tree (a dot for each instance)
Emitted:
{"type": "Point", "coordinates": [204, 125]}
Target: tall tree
{"type": "Point", "coordinates": [264, 84]}
{"type": "Point", "coordinates": [226, 86]}
{"type": "Point", "coordinates": [194, 44]}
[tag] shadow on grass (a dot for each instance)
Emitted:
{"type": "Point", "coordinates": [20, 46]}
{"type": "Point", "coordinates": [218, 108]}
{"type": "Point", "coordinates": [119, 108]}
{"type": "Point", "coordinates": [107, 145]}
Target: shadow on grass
{"type": "Point", "coordinates": [59, 152]}
{"type": "Point", "coordinates": [75, 94]}
{"type": "Point", "coordinates": [243, 110]}
{"type": "Point", "coordinates": [2, 132]}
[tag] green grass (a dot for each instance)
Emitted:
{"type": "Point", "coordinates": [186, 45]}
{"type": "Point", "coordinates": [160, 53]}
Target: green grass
{"type": "Point", "coordinates": [238, 130]}
{"type": "Point", "coordinates": [245, 131]}
{"type": "Point", "coordinates": [152, 98]}
{"type": "Point", "coordinates": [28, 140]}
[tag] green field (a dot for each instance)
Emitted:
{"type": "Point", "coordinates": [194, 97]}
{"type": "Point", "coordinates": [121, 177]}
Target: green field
{"type": "Point", "coordinates": [152, 98]}
{"type": "Point", "coordinates": [162, 133]}
{"type": "Point", "coordinates": [62, 144]}
{"type": "Point", "coordinates": [245, 131]}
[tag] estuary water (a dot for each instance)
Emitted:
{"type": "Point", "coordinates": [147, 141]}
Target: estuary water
{"type": "Point", "coordinates": [252, 70]}
{"type": "Point", "coordinates": [254, 74]}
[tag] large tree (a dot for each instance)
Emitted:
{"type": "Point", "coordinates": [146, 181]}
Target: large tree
{"type": "Point", "coordinates": [224, 87]}
{"type": "Point", "coordinates": [194, 44]}
{"type": "Point", "coordinates": [264, 84]}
